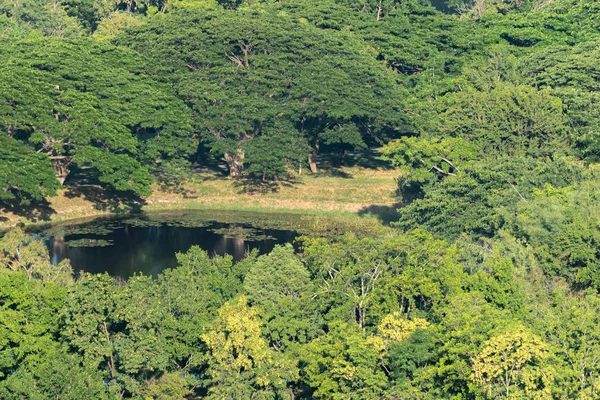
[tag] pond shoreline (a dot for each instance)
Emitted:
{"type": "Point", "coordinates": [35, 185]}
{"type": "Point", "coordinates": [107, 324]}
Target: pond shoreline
{"type": "Point", "coordinates": [148, 243]}
{"type": "Point", "coordinates": [305, 221]}
{"type": "Point", "coordinates": [361, 199]}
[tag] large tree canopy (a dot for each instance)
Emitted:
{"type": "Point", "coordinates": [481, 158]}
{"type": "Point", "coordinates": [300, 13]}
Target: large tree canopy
{"type": "Point", "coordinates": [571, 73]}
{"type": "Point", "coordinates": [244, 72]}
{"type": "Point", "coordinates": [88, 104]}
{"type": "Point", "coordinates": [486, 287]}
{"type": "Point", "coordinates": [24, 173]}
{"type": "Point", "coordinates": [20, 18]}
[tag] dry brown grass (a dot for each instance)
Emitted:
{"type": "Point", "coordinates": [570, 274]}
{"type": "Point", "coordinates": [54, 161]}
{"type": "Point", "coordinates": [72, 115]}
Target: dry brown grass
{"type": "Point", "coordinates": [349, 191]}
{"type": "Point", "coordinates": [310, 192]}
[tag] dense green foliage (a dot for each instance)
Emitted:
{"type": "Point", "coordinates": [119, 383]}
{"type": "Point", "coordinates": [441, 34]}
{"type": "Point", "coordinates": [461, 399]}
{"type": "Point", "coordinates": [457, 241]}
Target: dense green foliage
{"type": "Point", "coordinates": [266, 87]}
{"type": "Point", "coordinates": [488, 285]}
{"type": "Point", "coordinates": [405, 315]}
{"type": "Point", "coordinates": [24, 172]}
{"type": "Point", "coordinates": [252, 76]}
{"type": "Point", "coordinates": [86, 103]}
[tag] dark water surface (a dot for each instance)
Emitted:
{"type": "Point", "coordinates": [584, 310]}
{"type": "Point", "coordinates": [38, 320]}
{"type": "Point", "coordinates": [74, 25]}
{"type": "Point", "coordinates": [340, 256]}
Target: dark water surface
{"type": "Point", "coordinates": [148, 244]}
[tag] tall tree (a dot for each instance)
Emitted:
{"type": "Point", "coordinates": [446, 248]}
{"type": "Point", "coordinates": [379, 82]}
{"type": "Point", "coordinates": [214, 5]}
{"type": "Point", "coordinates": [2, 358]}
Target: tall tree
{"type": "Point", "coordinates": [279, 285]}
{"type": "Point", "coordinates": [241, 365]}
{"type": "Point", "coordinates": [342, 365]}
{"type": "Point", "coordinates": [243, 71]}
{"type": "Point", "coordinates": [514, 364]}
{"type": "Point", "coordinates": [89, 104]}
{"type": "Point", "coordinates": [40, 17]}
{"type": "Point", "coordinates": [24, 174]}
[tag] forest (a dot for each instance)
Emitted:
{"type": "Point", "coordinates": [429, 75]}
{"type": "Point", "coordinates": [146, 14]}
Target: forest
{"type": "Point", "coordinates": [487, 284]}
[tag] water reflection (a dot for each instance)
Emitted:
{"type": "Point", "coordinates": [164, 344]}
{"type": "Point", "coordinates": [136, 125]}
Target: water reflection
{"type": "Point", "coordinates": [124, 247]}
{"type": "Point", "coordinates": [58, 249]}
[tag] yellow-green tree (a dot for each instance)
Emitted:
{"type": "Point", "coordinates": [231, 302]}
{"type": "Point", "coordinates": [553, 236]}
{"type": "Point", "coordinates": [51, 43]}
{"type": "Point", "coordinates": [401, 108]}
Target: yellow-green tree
{"type": "Point", "coordinates": [21, 252]}
{"type": "Point", "coordinates": [342, 365]}
{"type": "Point", "coordinates": [514, 365]}
{"type": "Point", "coordinates": [240, 363]}
{"type": "Point", "coordinates": [395, 328]}
{"type": "Point", "coordinates": [170, 386]}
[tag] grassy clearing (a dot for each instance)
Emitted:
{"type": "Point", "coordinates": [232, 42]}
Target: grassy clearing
{"type": "Point", "coordinates": [354, 197]}
{"type": "Point", "coordinates": [357, 190]}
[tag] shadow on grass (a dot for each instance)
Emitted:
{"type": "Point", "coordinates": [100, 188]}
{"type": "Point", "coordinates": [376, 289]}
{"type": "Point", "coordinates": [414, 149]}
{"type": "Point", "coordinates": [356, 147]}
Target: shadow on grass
{"type": "Point", "coordinates": [211, 176]}
{"type": "Point", "coordinates": [385, 213]}
{"type": "Point", "coordinates": [36, 211]}
{"type": "Point", "coordinates": [333, 172]}
{"type": "Point", "coordinates": [331, 164]}
{"type": "Point", "coordinates": [370, 159]}
{"type": "Point", "coordinates": [256, 186]}
{"type": "Point", "coordinates": [175, 185]}
{"type": "Point", "coordinates": [84, 183]}
{"type": "Point", "coordinates": [179, 190]}
{"type": "Point", "coordinates": [216, 171]}
{"type": "Point", "coordinates": [106, 199]}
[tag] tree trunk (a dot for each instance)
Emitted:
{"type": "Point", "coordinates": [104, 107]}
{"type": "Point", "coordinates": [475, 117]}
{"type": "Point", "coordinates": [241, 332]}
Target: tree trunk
{"type": "Point", "coordinates": [312, 163]}
{"type": "Point", "coordinates": [60, 164]}
{"type": "Point", "coordinates": [111, 360]}
{"type": "Point", "coordinates": [312, 159]}
{"type": "Point", "coordinates": [235, 162]}
{"type": "Point", "coordinates": [340, 158]}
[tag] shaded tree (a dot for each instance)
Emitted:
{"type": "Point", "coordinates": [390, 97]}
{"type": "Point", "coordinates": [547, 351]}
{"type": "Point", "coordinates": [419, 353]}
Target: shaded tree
{"type": "Point", "coordinates": [255, 68]}
{"type": "Point", "coordinates": [88, 104]}
{"type": "Point", "coordinates": [240, 363]}
{"type": "Point", "coordinates": [24, 174]}
{"type": "Point", "coordinates": [279, 285]}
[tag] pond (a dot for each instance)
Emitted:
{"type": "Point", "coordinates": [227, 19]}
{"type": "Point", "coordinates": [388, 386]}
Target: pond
{"type": "Point", "coordinates": [148, 243]}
